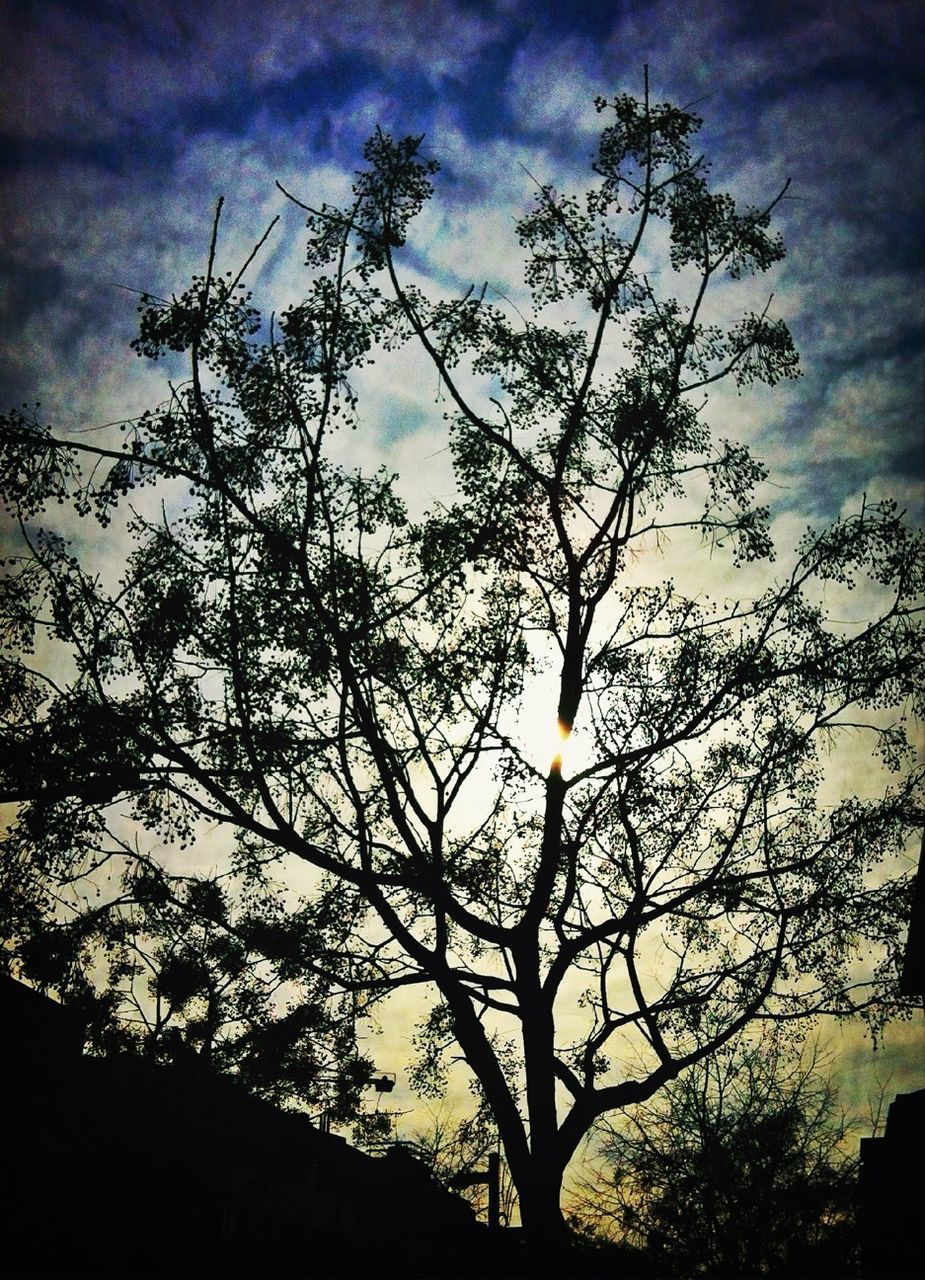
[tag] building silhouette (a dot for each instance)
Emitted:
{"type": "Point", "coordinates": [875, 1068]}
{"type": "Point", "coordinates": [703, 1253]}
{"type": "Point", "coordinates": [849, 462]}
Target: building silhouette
{"type": "Point", "coordinates": [891, 1165]}
{"type": "Point", "coordinates": [116, 1166]}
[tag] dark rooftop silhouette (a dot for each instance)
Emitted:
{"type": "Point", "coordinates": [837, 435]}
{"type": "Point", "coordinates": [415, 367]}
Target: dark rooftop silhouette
{"type": "Point", "coordinates": [118, 1165]}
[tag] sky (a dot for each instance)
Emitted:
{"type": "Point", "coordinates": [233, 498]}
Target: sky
{"type": "Point", "coordinates": [122, 122]}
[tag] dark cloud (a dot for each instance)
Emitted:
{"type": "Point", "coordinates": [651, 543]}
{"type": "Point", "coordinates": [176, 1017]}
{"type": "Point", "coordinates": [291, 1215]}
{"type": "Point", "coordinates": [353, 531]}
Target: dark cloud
{"type": "Point", "coordinates": [123, 122]}
{"type": "Point", "coordinates": [100, 70]}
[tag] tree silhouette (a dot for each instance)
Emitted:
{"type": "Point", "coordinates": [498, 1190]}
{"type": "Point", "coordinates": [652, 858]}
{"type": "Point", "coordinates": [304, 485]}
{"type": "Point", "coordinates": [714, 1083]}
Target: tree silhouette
{"type": "Point", "coordinates": [193, 980]}
{"type": "Point", "coordinates": [459, 1149]}
{"type": "Point", "coordinates": [287, 656]}
{"type": "Point", "coordinates": [737, 1168]}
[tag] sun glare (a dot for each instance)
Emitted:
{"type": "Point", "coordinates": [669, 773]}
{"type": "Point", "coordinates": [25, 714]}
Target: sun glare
{"type": "Point", "coordinates": [559, 742]}
{"type": "Point", "coordinates": [555, 748]}
{"type": "Point", "coordinates": [547, 742]}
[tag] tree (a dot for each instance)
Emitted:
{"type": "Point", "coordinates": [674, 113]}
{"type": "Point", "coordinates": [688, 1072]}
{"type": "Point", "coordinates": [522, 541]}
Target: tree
{"type": "Point", "coordinates": [290, 658]}
{"type": "Point", "coordinates": [737, 1168]}
{"type": "Point", "coordinates": [458, 1151]}
{"type": "Point", "coordinates": [191, 981]}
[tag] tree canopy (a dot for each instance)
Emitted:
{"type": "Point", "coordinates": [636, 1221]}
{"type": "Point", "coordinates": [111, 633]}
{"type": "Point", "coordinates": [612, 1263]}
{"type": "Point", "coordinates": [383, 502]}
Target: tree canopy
{"type": "Point", "coordinates": [333, 687]}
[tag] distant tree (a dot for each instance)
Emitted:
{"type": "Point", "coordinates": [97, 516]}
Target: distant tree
{"type": "Point", "coordinates": [456, 1146]}
{"type": "Point", "coordinates": [286, 657]}
{"type": "Point", "coordinates": [738, 1168]}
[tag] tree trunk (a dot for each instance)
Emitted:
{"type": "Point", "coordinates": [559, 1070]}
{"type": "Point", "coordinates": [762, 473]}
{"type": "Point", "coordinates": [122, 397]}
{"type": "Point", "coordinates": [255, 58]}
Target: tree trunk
{"type": "Point", "coordinates": [540, 1211]}
{"type": "Point", "coordinates": [540, 1183]}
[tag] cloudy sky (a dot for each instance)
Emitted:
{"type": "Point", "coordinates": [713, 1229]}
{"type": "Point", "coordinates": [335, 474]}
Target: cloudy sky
{"type": "Point", "coordinates": [121, 122]}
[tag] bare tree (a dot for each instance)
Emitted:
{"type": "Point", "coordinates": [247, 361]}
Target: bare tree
{"type": "Point", "coordinates": [738, 1168]}
{"type": "Point", "coordinates": [462, 1152]}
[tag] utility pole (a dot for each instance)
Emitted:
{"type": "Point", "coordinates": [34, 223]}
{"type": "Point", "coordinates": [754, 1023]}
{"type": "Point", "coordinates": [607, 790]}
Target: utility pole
{"type": "Point", "coordinates": [493, 1174]}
